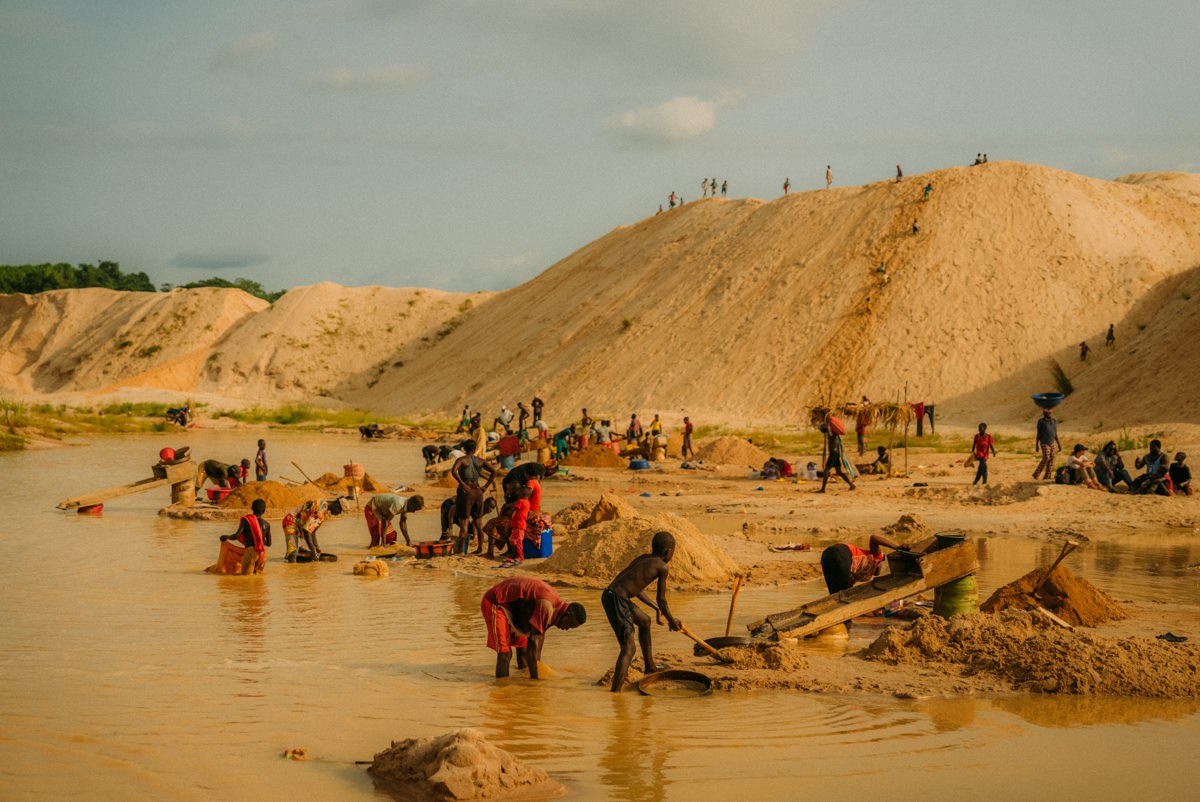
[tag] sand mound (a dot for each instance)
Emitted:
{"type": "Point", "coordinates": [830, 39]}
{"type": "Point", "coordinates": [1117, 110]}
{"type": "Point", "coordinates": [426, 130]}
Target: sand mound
{"type": "Point", "coordinates": [908, 528]}
{"type": "Point", "coordinates": [277, 496]}
{"type": "Point", "coordinates": [610, 507]}
{"type": "Point", "coordinates": [371, 568]}
{"type": "Point", "coordinates": [770, 656]}
{"type": "Point", "coordinates": [573, 515]}
{"type": "Point", "coordinates": [445, 481]}
{"type": "Point", "coordinates": [602, 550]}
{"type": "Point", "coordinates": [1033, 655]}
{"type": "Point", "coordinates": [341, 485]}
{"type": "Point", "coordinates": [595, 457]}
{"type": "Point", "coordinates": [1071, 598]}
{"type": "Point", "coordinates": [732, 451]}
{"type": "Point", "coordinates": [458, 765]}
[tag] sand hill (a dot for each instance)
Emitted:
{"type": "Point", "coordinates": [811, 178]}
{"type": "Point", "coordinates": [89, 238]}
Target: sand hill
{"type": "Point", "coordinates": [324, 339]}
{"type": "Point", "coordinates": [744, 309]}
{"type": "Point", "coordinates": [727, 310]}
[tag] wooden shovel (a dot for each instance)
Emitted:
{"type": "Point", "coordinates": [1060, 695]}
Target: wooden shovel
{"type": "Point", "coordinates": [1067, 548]}
{"type": "Point", "coordinates": [737, 585]}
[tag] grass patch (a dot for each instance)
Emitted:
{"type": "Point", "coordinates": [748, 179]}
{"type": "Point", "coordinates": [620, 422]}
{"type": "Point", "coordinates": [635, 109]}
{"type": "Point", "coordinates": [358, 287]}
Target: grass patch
{"type": "Point", "coordinates": [1061, 382]}
{"type": "Point", "coordinates": [149, 351]}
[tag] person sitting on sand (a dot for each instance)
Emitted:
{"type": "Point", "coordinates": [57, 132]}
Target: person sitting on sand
{"type": "Point", "coordinates": [845, 566]}
{"type": "Point", "coordinates": [834, 458]}
{"type": "Point", "coordinates": [497, 529]}
{"type": "Point", "coordinates": [517, 612]}
{"type": "Point", "coordinates": [1110, 468]}
{"type": "Point", "coordinates": [1082, 467]}
{"type": "Point", "coordinates": [382, 509]}
{"type": "Point", "coordinates": [255, 536]}
{"type": "Point", "coordinates": [1156, 476]}
{"type": "Point", "coordinates": [219, 473]}
{"type": "Point", "coordinates": [982, 445]}
{"type": "Point", "coordinates": [1181, 475]}
{"type": "Point", "coordinates": [625, 617]}
{"type": "Point", "coordinates": [304, 523]}
{"type": "Point", "coordinates": [882, 463]}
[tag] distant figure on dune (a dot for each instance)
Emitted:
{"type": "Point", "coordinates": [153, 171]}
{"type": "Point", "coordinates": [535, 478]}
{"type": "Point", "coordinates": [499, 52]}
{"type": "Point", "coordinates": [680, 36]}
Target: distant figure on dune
{"type": "Point", "coordinates": [899, 174]}
{"type": "Point", "coordinates": [724, 186]}
{"type": "Point", "coordinates": [828, 176]}
{"type": "Point", "coordinates": [916, 228]}
{"type": "Point", "coordinates": [659, 209]}
{"type": "Point", "coordinates": [672, 200]}
{"type": "Point", "coordinates": [928, 189]}
{"type": "Point", "coordinates": [786, 185]}
{"type": "Point", "coordinates": [1083, 351]}
{"type": "Point", "coordinates": [1110, 338]}
{"type": "Point", "coordinates": [985, 158]}
{"type": "Point", "coordinates": [687, 438]}
{"type": "Point", "coordinates": [704, 188]}
{"type": "Point", "coordinates": [713, 184]}
{"type": "Point", "coordinates": [978, 158]}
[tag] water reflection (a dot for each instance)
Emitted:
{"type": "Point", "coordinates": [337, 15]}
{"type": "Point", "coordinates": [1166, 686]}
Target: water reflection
{"type": "Point", "coordinates": [243, 602]}
{"type": "Point", "coordinates": [635, 755]}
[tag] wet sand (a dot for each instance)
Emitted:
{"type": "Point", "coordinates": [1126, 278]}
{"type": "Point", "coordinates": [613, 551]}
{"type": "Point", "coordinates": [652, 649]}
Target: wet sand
{"type": "Point", "coordinates": [128, 673]}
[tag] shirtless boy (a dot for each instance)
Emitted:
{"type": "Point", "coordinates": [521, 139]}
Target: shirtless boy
{"type": "Point", "coordinates": [623, 614]}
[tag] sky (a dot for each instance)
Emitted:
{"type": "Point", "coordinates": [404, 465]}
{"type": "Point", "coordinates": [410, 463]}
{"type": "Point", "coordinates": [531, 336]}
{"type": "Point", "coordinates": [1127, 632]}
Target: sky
{"type": "Point", "coordinates": [470, 144]}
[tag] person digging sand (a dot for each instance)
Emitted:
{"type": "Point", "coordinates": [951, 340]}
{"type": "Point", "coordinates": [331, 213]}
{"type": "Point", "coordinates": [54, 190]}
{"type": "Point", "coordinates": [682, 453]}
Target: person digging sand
{"type": "Point", "coordinates": [517, 612]}
{"type": "Point", "coordinates": [624, 616]}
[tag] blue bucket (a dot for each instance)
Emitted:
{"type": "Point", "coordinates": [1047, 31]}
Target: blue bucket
{"type": "Point", "coordinates": [1048, 400]}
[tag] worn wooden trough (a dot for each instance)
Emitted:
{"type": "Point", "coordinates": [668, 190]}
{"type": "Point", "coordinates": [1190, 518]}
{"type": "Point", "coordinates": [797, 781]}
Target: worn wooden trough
{"type": "Point", "coordinates": [930, 564]}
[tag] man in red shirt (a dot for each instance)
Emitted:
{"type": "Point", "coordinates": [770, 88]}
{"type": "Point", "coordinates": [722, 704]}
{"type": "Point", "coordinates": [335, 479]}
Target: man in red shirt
{"type": "Point", "coordinates": [982, 445]}
{"type": "Point", "coordinates": [517, 613]}
{"type": "Point", "coordinates": [687, 439]}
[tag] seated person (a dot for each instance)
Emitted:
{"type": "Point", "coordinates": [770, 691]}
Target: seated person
{"type": "Point", "coordinates": [1181, 475]}
{"type": "Point", "coordinates": [1082, 468]}
{"type": "Point", "coordinates": [882, 463]}
{"type": "Point", "coordinates": [1156, 478]}
{"type": "Point", "coordinates": [1110, 468]}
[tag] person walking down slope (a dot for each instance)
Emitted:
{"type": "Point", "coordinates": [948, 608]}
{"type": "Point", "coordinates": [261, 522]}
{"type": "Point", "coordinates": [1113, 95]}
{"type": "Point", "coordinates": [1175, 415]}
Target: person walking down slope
{"type": "Point", "coordinates": [1047, 443]}
{"type": "Point", "coordinates": [1110, 338]}
{"type": "Point", "coordinates": [928, 189]}
{"type": "Point", "coordinates": [1083, 351]}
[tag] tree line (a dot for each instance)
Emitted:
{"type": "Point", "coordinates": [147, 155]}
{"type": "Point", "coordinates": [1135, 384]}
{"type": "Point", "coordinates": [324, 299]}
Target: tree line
{"type": "Point", "coordinates": [42, 278]}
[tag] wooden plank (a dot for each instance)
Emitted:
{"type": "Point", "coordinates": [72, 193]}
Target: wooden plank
{"type": "Point", "coordinates": [948, 564]}
{"type": "Point", "coordinates": [100, 496]}
{"type": "Point", "coordinates": [842, 606]}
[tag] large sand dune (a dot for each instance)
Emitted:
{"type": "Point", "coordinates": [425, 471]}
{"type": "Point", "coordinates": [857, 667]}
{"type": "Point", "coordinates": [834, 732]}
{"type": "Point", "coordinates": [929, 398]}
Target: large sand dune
{"type": "Point", "coordinates": [730, 310]}
{"type": "Point", "coordinates": [746, 310]}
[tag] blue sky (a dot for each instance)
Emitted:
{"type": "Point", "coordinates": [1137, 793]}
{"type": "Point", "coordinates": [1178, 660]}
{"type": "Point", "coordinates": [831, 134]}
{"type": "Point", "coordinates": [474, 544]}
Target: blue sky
{"type": "Point", "coordinates": [470, 144]}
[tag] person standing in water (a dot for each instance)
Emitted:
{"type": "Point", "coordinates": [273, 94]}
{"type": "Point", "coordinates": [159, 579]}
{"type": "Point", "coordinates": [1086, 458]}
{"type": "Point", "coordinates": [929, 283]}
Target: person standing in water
{"type": "Point", "coordinates": [260, 462]}
{"type": "Point", "coordinates": [624, 616]}
{"type": "Point", "coordinates": [467, 471]}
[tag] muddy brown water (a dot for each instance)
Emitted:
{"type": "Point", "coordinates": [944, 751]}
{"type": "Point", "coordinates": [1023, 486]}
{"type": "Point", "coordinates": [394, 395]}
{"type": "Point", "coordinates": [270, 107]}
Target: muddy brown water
{"type": "Point", "coordinates": [127, 673]}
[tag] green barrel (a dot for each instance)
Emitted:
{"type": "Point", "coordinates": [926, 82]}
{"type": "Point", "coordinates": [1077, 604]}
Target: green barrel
{"type": "Point", "coordinates": [959, 596]}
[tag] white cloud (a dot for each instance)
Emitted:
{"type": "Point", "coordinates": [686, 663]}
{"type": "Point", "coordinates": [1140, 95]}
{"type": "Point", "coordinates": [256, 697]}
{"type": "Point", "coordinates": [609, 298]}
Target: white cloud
{"type": "Point", "coordinates": [252, 53]}
{"type": "Point", "coordinates": [380, 78]}
{"type": "Point", "coordinates": [676, 120]}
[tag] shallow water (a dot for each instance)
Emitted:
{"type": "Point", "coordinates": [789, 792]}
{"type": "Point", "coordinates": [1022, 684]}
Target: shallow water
{"type": "Point", "coordinates": [127, 673]}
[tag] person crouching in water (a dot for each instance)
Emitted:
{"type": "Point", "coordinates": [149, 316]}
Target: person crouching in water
{"type": "Point", "coordinates": [255, 536]}
{"type": "Point", "coordinates": [845, 566]}
{"type": "Point", "coordinates": [380, 511]}
{"type": "Point", "coordinates": [624, 616]}
{"type": "Point", "coordinates": [304, 523]}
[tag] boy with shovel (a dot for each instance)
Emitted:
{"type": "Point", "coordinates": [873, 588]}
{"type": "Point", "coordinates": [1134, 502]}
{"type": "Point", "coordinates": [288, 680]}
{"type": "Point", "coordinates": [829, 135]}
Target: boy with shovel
{"type": "Point", "coordinates": [625, 618]}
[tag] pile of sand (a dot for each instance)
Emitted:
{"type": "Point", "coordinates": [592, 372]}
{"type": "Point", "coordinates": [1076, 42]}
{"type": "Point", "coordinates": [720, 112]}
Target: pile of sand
{"type": "Point", "coordinates": [599, 552]}
{"type": "Point", "coordinates": [595, 457]}
{"type": "Point", "coordinates": [770, 656]}
{"type": "Point", "coordinates": [610, 507]}
{"type": "Point", "coordinates": [1071, 598]}
{"type": "Point", "coordinates": [571, 516]}
{"type": "Point", "coordinates": [446, 481]}
{"type": "Point", "coordinates": [341, 485]}
{"type": "Point", "coordinates": [1031, 654]}
{"type": "Point", "coordinates": [732, 451]}
{"type": "Point", "coordinates": [908, 529]}
{"type": "Point", "coordinates": [277, 496]}
{"type": "Point", "coordinates": [458, 765]}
